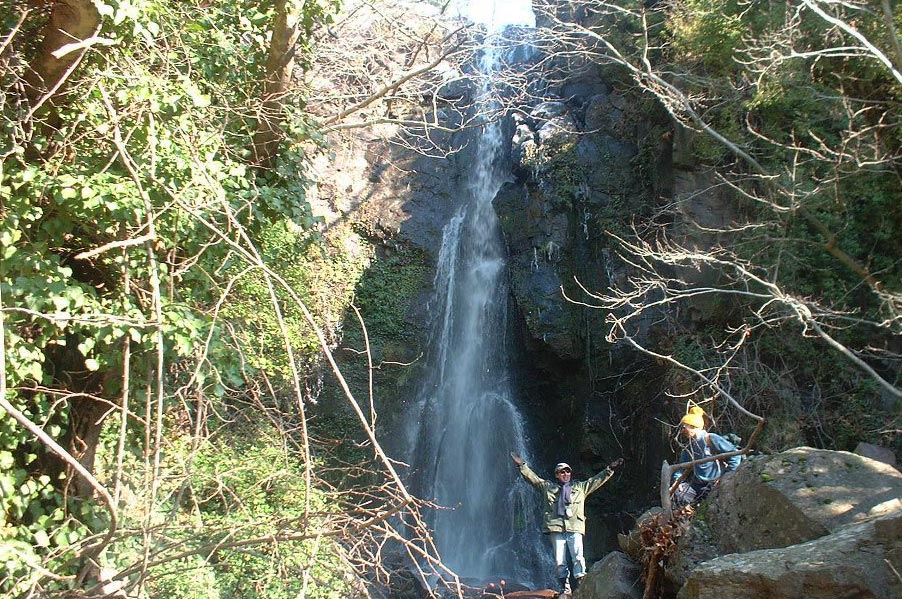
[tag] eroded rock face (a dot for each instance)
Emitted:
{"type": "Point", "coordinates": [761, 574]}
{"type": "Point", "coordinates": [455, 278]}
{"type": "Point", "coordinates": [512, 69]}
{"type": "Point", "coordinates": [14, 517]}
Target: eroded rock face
{"type": "Point", "coordinates": [573, 162]}
{"type": "Point", "coordinates": [400, 195]}
{"type": "Point", "coordinates": [536, 237]}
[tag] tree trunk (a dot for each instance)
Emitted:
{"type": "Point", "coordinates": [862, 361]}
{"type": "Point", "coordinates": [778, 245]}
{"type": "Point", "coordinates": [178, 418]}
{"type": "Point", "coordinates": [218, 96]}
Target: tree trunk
{"type": "Point", "coordinates": [70, 21]}
{"type": "Point", "coordinates": [83, 417]}
{"type": "Point", "coordinates": [279, 68]}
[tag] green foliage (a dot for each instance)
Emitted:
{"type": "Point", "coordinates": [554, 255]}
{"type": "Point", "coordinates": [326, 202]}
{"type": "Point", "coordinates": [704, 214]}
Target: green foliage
{"type": "Point", "coordinates": [190, 577]}
{"type": "Point", "coordinates": [146, 159]}
{"type": "Point", "coordinates": [854, 416]}
{"type": "Point", "coordinates": [232, 522]}
{"type": "Point", "coordinates": [823, 402]}
{"type": "Point", "coordinates": [558, 165]}
{"type": "Point", "coordinates": [385, 293]}
{"type": "Point", "coordinates": [322, 271]}
{"type": "Point", "coordinates": [689, 351]}
{"type": "Point", "coordinates": [823, 126]}
{"type": "Point", "coordinates": [864, 209]}
{"type": "Point", "coordinates": [250, 489]}
{"type": "Point", "coordinates": [789, 104]}
{"type": "Point", "coordinates": [37, 522]}
{"type": "Point", "coordinates": [386, 290]}
{"type": "Point", "coordinates": [707, 32]}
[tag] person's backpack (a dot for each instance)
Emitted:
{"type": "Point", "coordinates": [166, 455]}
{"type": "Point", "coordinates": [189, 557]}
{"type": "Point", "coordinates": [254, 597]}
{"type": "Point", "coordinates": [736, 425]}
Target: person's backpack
{"type": "Point", "coordinates": [733, 438]}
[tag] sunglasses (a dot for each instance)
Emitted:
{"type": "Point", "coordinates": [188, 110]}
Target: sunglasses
{"type": "Point", "coordinates": [564, 471]}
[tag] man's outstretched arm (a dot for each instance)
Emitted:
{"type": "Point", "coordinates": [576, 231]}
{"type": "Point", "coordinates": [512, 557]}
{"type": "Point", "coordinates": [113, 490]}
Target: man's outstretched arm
{"type": "Point", "coordinates": [527, 473]}
{"type": "Point", "coordinates": [602, 477]}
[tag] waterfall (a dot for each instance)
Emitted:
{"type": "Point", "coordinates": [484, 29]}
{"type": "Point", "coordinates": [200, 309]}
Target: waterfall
{"type": "Point", "coordinates": [466, 421]}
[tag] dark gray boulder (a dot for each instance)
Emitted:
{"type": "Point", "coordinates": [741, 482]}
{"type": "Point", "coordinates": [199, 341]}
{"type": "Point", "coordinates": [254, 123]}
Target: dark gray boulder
{"type": "Point", "coordinates": [875, 452]}
{"type": "Point", "coordinates": [614, 577]}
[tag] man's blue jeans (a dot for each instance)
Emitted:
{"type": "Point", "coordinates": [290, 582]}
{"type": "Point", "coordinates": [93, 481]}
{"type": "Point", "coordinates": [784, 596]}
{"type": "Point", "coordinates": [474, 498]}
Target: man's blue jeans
{"type": "Point", "coordinates": [573, 542]}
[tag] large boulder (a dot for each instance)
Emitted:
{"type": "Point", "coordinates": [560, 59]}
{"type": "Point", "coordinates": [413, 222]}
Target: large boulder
{"type": "Point", "coordinates": [875, 452]}
{"type": "Point", "coordinates": [614, 577]}
{"type": "Point", "coordinates": [799, 495]}
{"type": "Point", "coordinates": [859, 560]}
{"type": "Point", "coordinates": [812, 522]}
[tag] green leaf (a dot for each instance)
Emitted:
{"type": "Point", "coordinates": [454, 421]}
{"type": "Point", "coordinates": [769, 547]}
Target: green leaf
{"type": "Point", "coordinates": [61, 537]}
{"type": "Point", "coordinates": [41, 538]}
{"type": "Point", "coordinates": [10, 237]}
{"type": "Point", "coordinates": [28, 174]}
{"type": "Point", "coordinates": [60, 303]}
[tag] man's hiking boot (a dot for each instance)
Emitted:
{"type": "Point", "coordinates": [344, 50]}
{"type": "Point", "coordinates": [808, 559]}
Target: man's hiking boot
{"type": "Point", "coordinates": [564, 593]}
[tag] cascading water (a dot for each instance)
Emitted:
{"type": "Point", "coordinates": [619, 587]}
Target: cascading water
{"type": "Point", "coordinates": [467, 423]}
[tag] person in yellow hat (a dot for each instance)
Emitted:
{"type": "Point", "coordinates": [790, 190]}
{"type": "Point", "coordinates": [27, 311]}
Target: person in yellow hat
{"type": "Point", "coordinates": [695, 485]}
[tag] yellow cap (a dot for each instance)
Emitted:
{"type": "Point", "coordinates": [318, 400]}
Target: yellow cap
{"type": "Point", "coordinates": [694, 418]}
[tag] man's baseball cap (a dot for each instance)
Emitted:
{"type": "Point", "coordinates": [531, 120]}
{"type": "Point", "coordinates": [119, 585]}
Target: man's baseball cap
{"type": "Point", "coordinates": [562, 466]}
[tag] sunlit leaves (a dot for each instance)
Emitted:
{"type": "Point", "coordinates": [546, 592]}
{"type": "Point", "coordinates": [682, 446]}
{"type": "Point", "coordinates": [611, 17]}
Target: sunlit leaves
{"type": "Point", "coordinates": [36, 522]}
{"type": "Point", "coordinates": [707, 32]}
{"type": "Point", "coordinates": [242, 486]}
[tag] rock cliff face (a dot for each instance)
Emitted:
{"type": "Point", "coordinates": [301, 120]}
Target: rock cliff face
{"type": "Point", "coordinates": [581, 167]}
{"type": "Point", "coordinates": [385, 197]}
{"type": "Point", "coordinates": [567, 182]}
